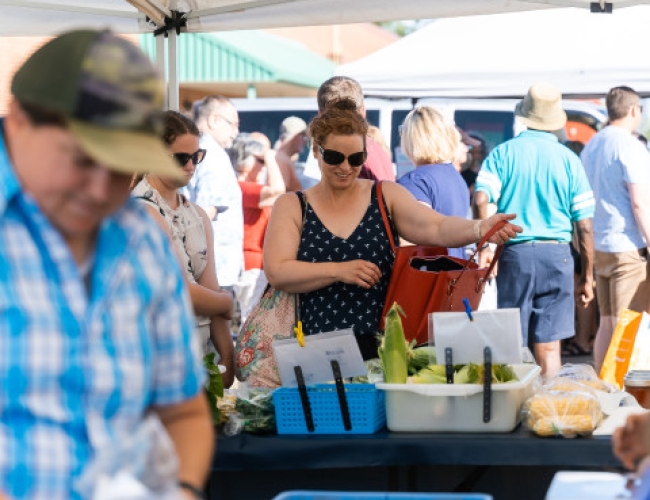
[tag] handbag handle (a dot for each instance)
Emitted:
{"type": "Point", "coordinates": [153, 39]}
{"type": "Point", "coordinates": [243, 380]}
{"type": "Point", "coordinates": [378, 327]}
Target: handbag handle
{"type": "Point", "coordinates": [481, 281]}
{"type": "Point", "coordinates": [384, 216]}
{"type": "Point", "coordinates": [479, 286]}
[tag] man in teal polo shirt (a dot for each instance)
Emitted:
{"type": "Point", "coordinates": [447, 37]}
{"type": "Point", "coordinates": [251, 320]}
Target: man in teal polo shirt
{"type": "Point", "coordinates": [544, 183]}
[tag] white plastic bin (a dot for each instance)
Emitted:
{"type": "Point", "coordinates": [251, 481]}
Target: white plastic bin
{"type": "Point", "coordinates": [457, 407]}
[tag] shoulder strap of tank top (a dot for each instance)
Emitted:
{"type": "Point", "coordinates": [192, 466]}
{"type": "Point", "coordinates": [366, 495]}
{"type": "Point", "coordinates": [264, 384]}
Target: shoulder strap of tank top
{"type": "Point", "coordinates": [303, 207]}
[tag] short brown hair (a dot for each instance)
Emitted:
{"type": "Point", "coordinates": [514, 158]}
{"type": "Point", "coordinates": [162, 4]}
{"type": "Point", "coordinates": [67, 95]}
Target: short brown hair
{"type": "Point", "coordinates": [176, 124]}
{"type": "Point", "coordinates": [339, 87]}
{"type": "Point", "coordinates": [340, 117]}
{"type": "Point", "coordinates": [619, 101]}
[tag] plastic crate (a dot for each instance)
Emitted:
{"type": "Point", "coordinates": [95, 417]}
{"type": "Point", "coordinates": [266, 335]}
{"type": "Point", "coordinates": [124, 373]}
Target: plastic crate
{"type": "Point", "coordinates": [351, 495]}
{"type": "Point", "coordinates": [366, 406]}
{"type": "Point", "coordinates": [457, 407]}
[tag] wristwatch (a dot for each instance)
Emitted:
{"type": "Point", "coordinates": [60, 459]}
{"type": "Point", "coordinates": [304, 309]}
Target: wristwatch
{"type": "Point", "coordinates": [197, 492]}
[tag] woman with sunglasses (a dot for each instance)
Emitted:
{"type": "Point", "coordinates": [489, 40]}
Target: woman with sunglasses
{"type": "Point", "coordinates": [340, 261]}
{"type": "Point", "coordinates": [191, 234]}
{"type": "Point", "coordinates": [261, 182]}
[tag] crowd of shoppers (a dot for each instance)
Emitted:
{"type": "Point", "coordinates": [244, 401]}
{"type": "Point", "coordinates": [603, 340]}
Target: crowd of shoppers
{"type": "Point", "coordinates": [110, 301]}
{"type": "Point", "coordinates": [547, 270]}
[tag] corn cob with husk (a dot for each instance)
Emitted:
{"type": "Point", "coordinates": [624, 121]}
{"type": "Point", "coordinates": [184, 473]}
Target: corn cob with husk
{"type": "Point", "coordinates": [463, 374]}
{"type": "Point", "coordinates": [419, 357]}
{"type": "Point", "coordinates": [392, 351]}
{"type": "Point", "coordinates": [433, 374]}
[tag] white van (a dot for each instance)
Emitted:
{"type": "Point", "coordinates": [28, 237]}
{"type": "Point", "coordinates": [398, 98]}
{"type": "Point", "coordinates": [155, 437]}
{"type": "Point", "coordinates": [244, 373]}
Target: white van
{"type": "Point", "coordinates": [493, 119]}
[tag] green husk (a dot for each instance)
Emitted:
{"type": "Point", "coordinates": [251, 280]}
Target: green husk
{"type": "Point", "coordinates": [392, 351]}
{"type": "Point", "coordinates": [420, 357]}
{"type": "Point", "coordinates": [500, 374]}
{"type": "Point", "coordinates": [503, 374]}
{"type": "Point", "coordinates": [432, 374]}
{"type": "Point", "coordinates": [464, 374]}
{"type": "Point", "coordinates": [213, 386]}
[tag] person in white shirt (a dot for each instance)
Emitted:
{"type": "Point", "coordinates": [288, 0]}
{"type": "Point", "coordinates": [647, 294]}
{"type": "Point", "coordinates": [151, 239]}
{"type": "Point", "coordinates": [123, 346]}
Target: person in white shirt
{"type": "Point", "coordinates": [214, 186]}
{"type": "Point", "coordinates": [618, 167]}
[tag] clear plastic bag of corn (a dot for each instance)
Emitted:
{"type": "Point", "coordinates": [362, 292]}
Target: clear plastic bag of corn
{"type": "Point", "coordinates": [565, 405]}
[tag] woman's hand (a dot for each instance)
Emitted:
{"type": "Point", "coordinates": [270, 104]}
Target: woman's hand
{"type": "Point", "coordinates": [359, 272]}
{"type": "Point", "coordinates": [503, 235]}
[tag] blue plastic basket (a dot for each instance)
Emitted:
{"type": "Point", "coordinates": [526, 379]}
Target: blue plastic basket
{"type": "Point", "coordinates": [365, 403]}
{"type": "Point", "coordinates": [351, 495]}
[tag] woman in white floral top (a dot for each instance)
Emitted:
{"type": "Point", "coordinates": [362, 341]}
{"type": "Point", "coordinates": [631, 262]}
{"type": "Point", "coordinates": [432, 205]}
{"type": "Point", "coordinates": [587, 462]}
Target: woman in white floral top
{"type": "Point", "coordinates": [191, 233]}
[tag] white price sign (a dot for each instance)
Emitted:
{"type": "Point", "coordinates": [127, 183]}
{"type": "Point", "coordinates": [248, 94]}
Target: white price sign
{"type": "Point", "coordinates": [315, 358]}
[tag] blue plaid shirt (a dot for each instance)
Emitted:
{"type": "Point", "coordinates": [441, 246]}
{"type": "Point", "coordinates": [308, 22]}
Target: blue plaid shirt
{"type": "Point", "coordinates": [78, 370]}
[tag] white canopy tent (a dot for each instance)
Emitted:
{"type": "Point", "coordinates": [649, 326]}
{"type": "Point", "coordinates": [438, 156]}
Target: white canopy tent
{"type": "Point", "coordinates": [47, 17]}
{"type": "Point", "coordinates": [501, 55]}
{"type": "Point", "coordinates": [43, 17]}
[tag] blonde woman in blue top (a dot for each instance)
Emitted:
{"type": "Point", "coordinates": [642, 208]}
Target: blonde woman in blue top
{"type": "Point", "coordinates": [431, 141]}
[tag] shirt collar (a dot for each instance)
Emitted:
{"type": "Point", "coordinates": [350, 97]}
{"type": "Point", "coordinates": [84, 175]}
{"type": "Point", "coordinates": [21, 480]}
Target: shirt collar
{"type": "Point", "coordinates": [538, 134]}
{"type": "Point", "coordinates": [208, 142]}
{"type": "Point", "coordinates": [9, 185]}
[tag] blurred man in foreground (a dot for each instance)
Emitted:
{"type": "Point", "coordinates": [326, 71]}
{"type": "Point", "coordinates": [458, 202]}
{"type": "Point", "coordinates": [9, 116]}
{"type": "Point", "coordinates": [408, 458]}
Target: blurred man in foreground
{"type": "Point", "coordinates": [96, 325]}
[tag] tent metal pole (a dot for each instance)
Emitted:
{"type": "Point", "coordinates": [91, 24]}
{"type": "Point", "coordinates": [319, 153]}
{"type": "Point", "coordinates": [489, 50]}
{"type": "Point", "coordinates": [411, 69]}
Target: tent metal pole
{"type": "Point", "coordinates": [172, 57]}
{"type": "Point", "coordinates": [161, 63]}
{"type": "Point", "coordinates": [172, 66]}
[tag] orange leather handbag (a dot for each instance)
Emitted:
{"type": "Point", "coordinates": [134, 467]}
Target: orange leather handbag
{"type": "Point", "coordinates": [426, 279]}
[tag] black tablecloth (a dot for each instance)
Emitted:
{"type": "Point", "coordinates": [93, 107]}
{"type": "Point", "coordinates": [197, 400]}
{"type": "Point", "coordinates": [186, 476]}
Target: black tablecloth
{"type": "Point", "coordinates": [518, 448]}
{"type": "Point", "coordinates": [508, 466]}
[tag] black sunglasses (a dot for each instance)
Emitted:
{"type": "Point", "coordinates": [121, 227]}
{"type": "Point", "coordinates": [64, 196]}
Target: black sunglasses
{"type": "Point", "coordinates": [332, 157]}
{"type": "Point", "coordinates": [197, 157]}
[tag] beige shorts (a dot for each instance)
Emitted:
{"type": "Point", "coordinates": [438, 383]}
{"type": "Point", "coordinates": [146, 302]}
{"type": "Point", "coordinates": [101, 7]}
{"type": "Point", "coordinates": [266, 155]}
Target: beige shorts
{"type": "Point", "coordinates": [622, 281]}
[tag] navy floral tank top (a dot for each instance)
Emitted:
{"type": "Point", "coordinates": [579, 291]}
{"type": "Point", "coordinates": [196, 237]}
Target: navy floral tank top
{"type": "Point", "coordinates": [341, 305]}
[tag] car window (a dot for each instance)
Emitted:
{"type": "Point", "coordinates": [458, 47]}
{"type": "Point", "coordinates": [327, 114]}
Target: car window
{"type": "Point", "coordinates": [397, 119]}
{"type": "Point", "coordinates": [494, 126]}
{"type": "Point", "coordinates": [372, 116]}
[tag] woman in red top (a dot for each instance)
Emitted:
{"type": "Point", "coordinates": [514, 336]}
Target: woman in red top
{"type": "Point", "coordinates": [261, 182]}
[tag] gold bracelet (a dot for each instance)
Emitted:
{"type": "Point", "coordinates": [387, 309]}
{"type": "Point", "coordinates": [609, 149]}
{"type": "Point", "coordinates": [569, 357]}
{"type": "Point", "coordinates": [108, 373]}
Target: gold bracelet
{"type": "Point", "coordinates": [477, 230]}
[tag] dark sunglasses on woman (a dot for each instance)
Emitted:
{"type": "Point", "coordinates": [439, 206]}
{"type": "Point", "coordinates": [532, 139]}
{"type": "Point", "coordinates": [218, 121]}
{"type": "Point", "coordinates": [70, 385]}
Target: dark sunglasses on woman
{"type": "Point", "coordinates": [332, 157]}
{"type": "Point", "coordinates": [197, 157]}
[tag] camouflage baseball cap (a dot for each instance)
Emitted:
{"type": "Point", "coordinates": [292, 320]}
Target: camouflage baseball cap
{"type": "Point", "coordinates": [110, 95]}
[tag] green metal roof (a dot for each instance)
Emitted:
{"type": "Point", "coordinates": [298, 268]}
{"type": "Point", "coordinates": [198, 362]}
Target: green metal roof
{"type": "Point", "coordinates": [244, 56]}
